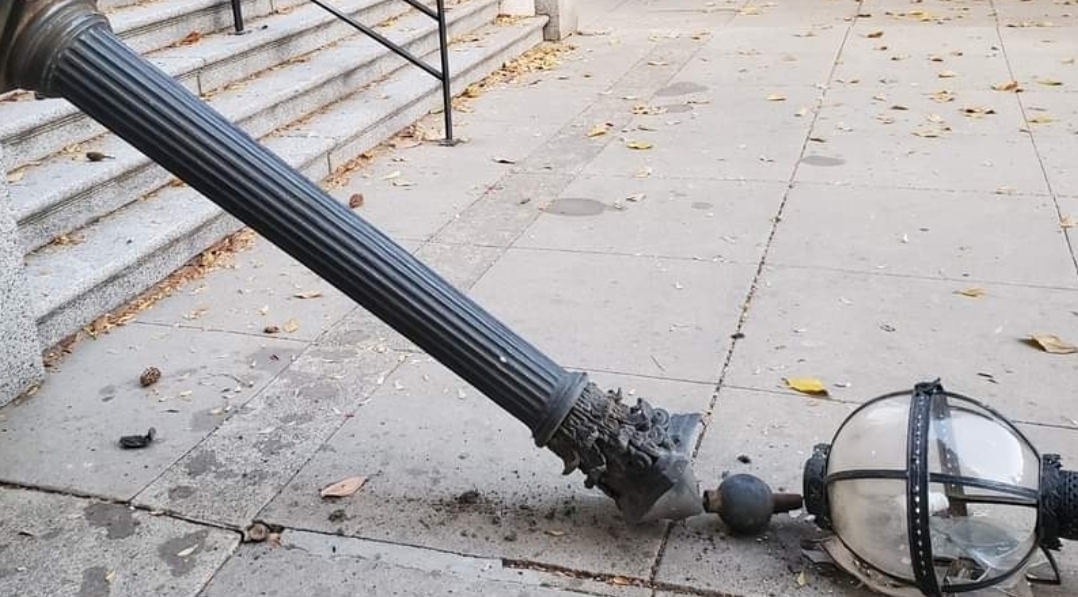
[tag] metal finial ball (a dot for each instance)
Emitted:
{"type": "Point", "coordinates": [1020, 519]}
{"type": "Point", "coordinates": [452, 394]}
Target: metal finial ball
{"type": "Point", "coordinates": [745, 503]}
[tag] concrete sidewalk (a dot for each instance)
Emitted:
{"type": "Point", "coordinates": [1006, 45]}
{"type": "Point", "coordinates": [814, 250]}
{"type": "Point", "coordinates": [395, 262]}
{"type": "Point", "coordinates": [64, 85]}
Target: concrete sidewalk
{"type": "Point", "coordinates": [818, 182]}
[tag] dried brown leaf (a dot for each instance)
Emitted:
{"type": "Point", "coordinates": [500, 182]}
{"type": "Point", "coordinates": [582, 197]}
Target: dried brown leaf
{"type": "Point", "coordinates": [942, 96]}
{"type": "Point", "coordinates": [290, 326]}
{"type": "Point", "coordinates": [874, 34]}
{"type": "Point", "coordinates": [638, 145]}
{"type": "Point", "coordinates": [309, 294]}
{"type": "Point", "coordinates": [1049, 82]}
{"type": "Point", "coordinates": [974, 111]}
{"type": "Point", "coordinates": [1068, 221]}
{"type": "Point", "coordinates": [946, 74]}
{"type": "Point", "coordinates": [343, 488]}
{"type": "Point", "coordinates": [1051, 343]}
{"type": "Point", "coordinates": [975, 292]}
{"type": "Point", "coordinates": [1040, 119]}
{"type": "Point", "coordinates": [191, 38]}
{"type": "Point", "coordinates": [776, 97]}
{"type": "Point", "coordinates": [1011, 85]}
{"type": "Point", "coordinates": [356, 200]}
{"type": "Point", "coordinates": [597, 130]}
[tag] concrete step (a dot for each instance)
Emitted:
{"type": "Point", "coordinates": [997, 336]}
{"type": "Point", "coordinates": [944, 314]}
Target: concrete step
{"type": "Point", "coordinates": [122, 255]}
{"type": "Point", "coordinates": [56, 196]}
{"type": "Point", "coordinates": [32, 130]}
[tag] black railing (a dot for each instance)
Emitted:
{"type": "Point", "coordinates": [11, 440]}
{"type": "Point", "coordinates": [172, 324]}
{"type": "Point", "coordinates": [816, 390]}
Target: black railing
{"type": "Point", "coordinates": [441, 74]}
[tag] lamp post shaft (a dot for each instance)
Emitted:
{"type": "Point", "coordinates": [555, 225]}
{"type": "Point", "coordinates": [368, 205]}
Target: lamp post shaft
{"type": "Point", "coordinates": [636, 454]}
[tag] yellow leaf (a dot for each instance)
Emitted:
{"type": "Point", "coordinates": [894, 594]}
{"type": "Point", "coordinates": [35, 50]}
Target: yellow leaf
{"type": "Point", "coordinates": [946, 74]}
{"type": "Point", "coordinates": [1068, 221]}
{"type": "Point", "coordinates": [801, 580]}
{"type": "Point", "coordinates": [392, 175]}
{"type": "Point", "coordinates": [638, 145]}
{"type": "Point", "coordinates": [974, 292]}
{"type": "Point", "coordinates": [1011, 85]}
{"type": "Point", "coordinates": [1049, 82]}
{"type": "Point", "coordinates": [290, 326]}
{"type": "Point", "coordinates": [344, 487]}
{"type": "Point", "coordinates": [14, 177]}
{"type": "Point", "coordinates": [1052, 344]}
{"type": "Point", "coordinates": [776, 97]}
{"type": "Point", "coordinates": [1040, 119]}
{"type": "Point", "coordinates": [806, 385]}
{"type": "Point", "coordinates": [597, 130]}
{"type": "Point", "coordinates": [874, 34]}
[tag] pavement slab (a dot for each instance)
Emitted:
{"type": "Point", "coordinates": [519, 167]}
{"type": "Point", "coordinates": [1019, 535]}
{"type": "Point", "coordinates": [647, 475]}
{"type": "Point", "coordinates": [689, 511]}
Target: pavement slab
{"type": "Point", "coordinates": [66, 435]}
{"type": "Point", "coordinates": [316, 564]}
{"type": "Point", "coordinates": [108, 549]}
{"type": "Point", "coordinates": [230, 475]}
{"type": "Point", "coordinates": [423, 442]}
{"type": "Point", "coordinates": [648, 320]}
{"type": "Point", "coordinates": [927, 234]}
{"type": "Point", "coordinates": [662, 217]}
{"type": "Point", "coordinates": [880, 334]}
{"type": "Point", "coordinates": [261, 288]}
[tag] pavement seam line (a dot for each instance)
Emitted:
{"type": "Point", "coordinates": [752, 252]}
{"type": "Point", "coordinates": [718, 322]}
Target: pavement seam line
{"type": "Point", "coordinates": [1067, 241]}
{"type": "Point", "coordinates": [776, 220]}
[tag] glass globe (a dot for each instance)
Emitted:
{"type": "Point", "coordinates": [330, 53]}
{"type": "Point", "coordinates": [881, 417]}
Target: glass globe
{"type": "Point", "coordinates": [929, 490]}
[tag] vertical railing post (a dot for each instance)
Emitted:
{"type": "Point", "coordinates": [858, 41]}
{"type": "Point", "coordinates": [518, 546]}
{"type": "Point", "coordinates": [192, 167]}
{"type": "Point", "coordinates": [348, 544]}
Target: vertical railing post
{"type": "Point", "coordinates": [447, 81]}
{"type": "Point", "coordinates": [237, 17]}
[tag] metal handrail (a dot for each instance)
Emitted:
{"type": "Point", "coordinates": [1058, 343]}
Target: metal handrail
{"type": "Point", "coordinates": [441, 74]}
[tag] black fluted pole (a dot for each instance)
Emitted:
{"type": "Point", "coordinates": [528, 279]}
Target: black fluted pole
{"type": "Point", "coordinates": [65, 48]}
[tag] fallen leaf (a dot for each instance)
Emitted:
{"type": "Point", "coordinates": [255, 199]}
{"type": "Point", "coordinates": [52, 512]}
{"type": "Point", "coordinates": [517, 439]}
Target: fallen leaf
{"type": "Point", "coordinates": [620, 580]}
{"type": "Point", "coordinates": [271, 329]}
{"type": "Point", "coordinates": [343, 488]}
{"type": "Point", "coordinates": [928, 132]}
{"type": "Point", "coordinates": [658, 63]}
{"type": "Point", "coordinates": [801, 580]}
{"type": "Point", "coordinates": [874, 34]}
{"type": "Point", "coordinates": [1040, 119]}
{"type": "Point", "coordinates": [802, 112]}
{"type": "Point", "coordinates": [946, 74]}
{"type": "Point", "coordinates": [974, 292]}
{"type": "Point", "coordinates": [14, 177]}
{"type": "Point", "coordinates": [190, 38]}
{"type": "Point", "coordinates": [638, 145]}
{"type": "Point", "coordinates": [356, 200]}
{"type": "Point", "coordinates": [879, 97]}
{"type": "Point", "coordinates": [636, 197]}
{"type": "Point", "coordinates": [885, 119]}
{"type": "Point", "coordinates": [899, 107]}
{"type": "Point", "coordinates": [942, 96]}
{"type": "Point", "coordinates": [643, 172]}
{"type": "Point", "coordinates": [392, 175]}
{"type": "Point", "coordinates": [977, 111]}
{"type": "Point", "coordinates": [935, 58]}
{"type": "Point", "coordinates": [1068, 221]}
{"type": "Point", "coordinates": [1005, 190]}
{"type": "Point", "coordinates": [1049, 82]}
{"type": "Point", "coordinates": [1052, 344]}
{"type": "Point", "coordinates": [776, 97]}
{"type": "Point", "coordinates": [290, 326]}
{"type": "Point", "coordinates": [403, 183]}
{"type": "Point", "coordinates": [817, 140]}
{"type": "Point", "coordinates": [806, 385]}
{"type": "Point", "coordinates": [309, 294]}
{"type": "Point", "coordinates": [504, 161]}
{"type": "Point", "coordinates": [1068, 61]}
{"type": "Point", "coordinates": [554, 533]}
{"type": "Point", "coordinates": [1011, 85]}
{"type": "Point", "coordinates": [186, 552]}
{"type": "Point", "coordinates": [595, 131]}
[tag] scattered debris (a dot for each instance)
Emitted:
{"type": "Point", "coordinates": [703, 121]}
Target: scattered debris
{"type": "Point", "coordinates": [874, 34]}
{"type": "Point", "coordinates": [309, 294]}
{"type": "Point", "coordinates": [469, 497]}
{"type": "Point", "coordinates": [744, 459]}
{"type": "Point", "coordinates": [183, 553]}
{"type": "Point", "coordinates": [597, 130]}
{"type": "Point", "coordinates": [271, 329]}
{"type": "Point", "coordinates": [258, 532]}
{"type": "Point", "coordinates": [290, 326]}
{"type": "Point", "coordinates": [776, 97]}
{"type": "Point", "coordinates": [135, 442]}
{"type": "Point", "coordinates": [343, 488]}
{"type": "Point", "coordinates": [1068, 221]}
{"type": "Point", "coordinates": [97, 156]}
{"type": "Point", "coordinates": [638, 144]}
{"type": "Point", "coordinates": [149, 377]}
{"type": "Point", "coordinates": [356, 200]}
{"type": "Point", "coordinates": [1011, 85]}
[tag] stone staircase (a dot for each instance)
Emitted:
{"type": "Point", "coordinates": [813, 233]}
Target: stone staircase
{"type": "Point", "coordinates": [97, 233]}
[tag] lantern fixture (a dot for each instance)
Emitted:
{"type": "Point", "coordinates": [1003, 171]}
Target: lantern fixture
{"type": "Point", "coordinates": [935, 493]}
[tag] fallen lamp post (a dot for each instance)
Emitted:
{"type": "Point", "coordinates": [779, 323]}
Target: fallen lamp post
{"type": "Point", "coordinates": [933, 493]}
{"type": "Point", "coordinates": [638, 455]}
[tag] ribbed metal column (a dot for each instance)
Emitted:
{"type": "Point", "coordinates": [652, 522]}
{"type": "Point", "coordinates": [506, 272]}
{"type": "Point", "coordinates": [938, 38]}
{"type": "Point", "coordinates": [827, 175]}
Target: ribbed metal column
{"type": "Point", "coordinates": [639, 455]}
{"type": "Point", "coordinates": [118, 88]}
